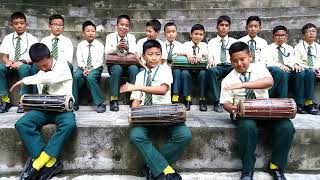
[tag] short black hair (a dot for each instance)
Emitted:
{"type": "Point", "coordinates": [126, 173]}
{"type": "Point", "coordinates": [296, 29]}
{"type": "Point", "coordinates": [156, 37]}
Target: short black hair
{"type": "Point", "coordinates": [224, 18]}
{"type": "Point", "coordinates": [150, 44]}
{"type": "Point", "coordinates": [88, 23]}
{"type": "Point", "coordinates": [55, 16]}
{"type": "Point", "coordinates": [307, 26]}
{"type": "Point", "coordinates": [169, 24]}
{"type": "Point", "coordinates": [155, 24]}
{"type": "Point", "coordinates": [123, 16]}
{"type": "Point", "coordinates": [278, 28]}
{"type": "Point", "coordinates": [17, 15]}
{"type": "Point", "coordinates": [38, 52]}
{"type": "Point", "coordinates": [197, 27]}
{"type": "Point", "coordinates": [253, 18]}
{"type": "Point", "coordinates": [237, 47]}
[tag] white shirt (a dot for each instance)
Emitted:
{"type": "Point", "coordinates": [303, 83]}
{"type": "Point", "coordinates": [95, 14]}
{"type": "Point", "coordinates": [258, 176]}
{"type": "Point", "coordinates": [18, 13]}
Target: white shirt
{"type": "Point", "coordinates": [257, 71]}
{"type": "Point", "coordinates": [214, 48]}
{"type": "Point", "coordinates": [113, 39]}
{"type": "Point", "coordinates": [159, 77]}
{"type": "Point", "coordinates": [10, 41]}
{"type": "Point", "coordinates": [65, 47]}
{"type": "Point", "coordinates": [97, 53]}
{"type": "Point", "coordinates": [201, 51]}
{"type": "Point", "coordinates": [301, 52]}
{"type": "Point", "coordinates": [143, 40]}
{"type": "Point", "coordinates": [59, 79]}
{"type": "Point", "coordinates": [177, 47]}
{"type": "Point", "coordinates": [271, 58]}
{"type": "Point", "coordinates": [260, 45]}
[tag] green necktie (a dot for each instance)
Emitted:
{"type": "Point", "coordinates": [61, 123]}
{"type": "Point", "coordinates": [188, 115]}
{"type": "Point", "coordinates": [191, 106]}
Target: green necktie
{"type": "Point", "coordinates": [45, 89]}
{"type": "Point", "coordinates": [280, 56]}
{"type": "Point", "coordinates": [169, 59]}
{"type": "Point", "coordinates": [252, 49]}
{"type": "Point", "coordinates": [54, 51]}
{"type": "Point", "coordinates": [17, 51]}
{"type": "Point", "coordinates": [223, 53]}
{"type": "Point", "coordinates": [148, 97]}
{"type": "Point", "coordinates": [89, 60]}
{"type": "Point", "coordinates": [309, 57]}
{"type": "Point", "coordinates": [194, 48]}
{"type": "Point", "coordinates": [249, 92]}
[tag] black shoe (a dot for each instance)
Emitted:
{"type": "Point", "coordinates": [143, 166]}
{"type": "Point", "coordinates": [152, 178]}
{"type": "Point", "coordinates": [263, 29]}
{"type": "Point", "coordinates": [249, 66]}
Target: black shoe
{"type": "Point", "coordinates": [48, 173]}
{"type": "Point", "coordinates": [114, 105]}
{"type": "Point", "coordinates": [76, 107]}
{"type": "Point", "coordinates": [173, 176]}
{"type": "Point", "coordinates": [4, 107]}
{"type": "Point", "coordinates": [101, 108]}
{"type": "Point", "coordinates": [311, 109]}
{"type": "Point", "coordinates": [217, 108]}
{"type": "Point", "coordinates": [246, 176]}
{"type": "Point", "coordinates": [147, 173]}
{"type": "Point", "coordinates": [203, 105]}
{"type": "Point", "coordinates": [20, 109]}
{"type": "Point", "coordinates": [301, 110]}
{"type": "Point", "coordinates": [175, 102]}
{"type": "Point", "coordinates": [187, 104]}
{"type": "Point", "coordinates": [28, 171]}
{"type": "Point", "coordinates": [277, 174]}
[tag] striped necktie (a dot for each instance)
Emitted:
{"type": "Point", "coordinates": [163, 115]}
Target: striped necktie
{"type": "Point", "coordinates": [54, 51]}
{"type": "Point", "coordinates": [148, 97]}
{"type": "Point", "coordinates": [17, 51]}
{"type": "Point", "coordinates": [252, 49]}
{"type": "Point", "coordinates": [194, 48]}
{"type": "Point", "coordinates": [309, 57]}
{"type": "Point", "coordinates": [169, 59]}
{"type": "Point", "coordinates": [223, 53]}
{"type": "Point", "coordinates": [45, 89]}
{"type": "Point", "coordinates": [89, 60]}
{"type": "Point", "coordinates": [249, 92]}
{"type": "Point", "coordinates": [280, 56]}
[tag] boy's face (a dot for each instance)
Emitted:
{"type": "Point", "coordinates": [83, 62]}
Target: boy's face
{"type": "Point", "coordinates": [310, 34]}
{"type": "Point", "coordinates": [280, 37]}
{"type": "Point", "coordinates": [123, 27]}
{"type": "Point", "coordinates": [153, 57]}
{"type": "Point", "coordinates": [151, 33]}
{"type": "Point", "coordinates": [223, 28]}
{"type": "Point", "coordinates": [253, 28]}
{"type": "Point", "coordinates": [89, 33]}
{"type": "Point", "coordinates": [56, 27]}
{"type": "Point", "coordinates": [197, 36]}
{"type": "Point", "coordinates": [170, 33]}
{"type": "Point", "coordinates": [241, 61]}
{"type": "Point", "coordinates": [19, 25]}
{"type": "Point", "coordinates": [45, 64]}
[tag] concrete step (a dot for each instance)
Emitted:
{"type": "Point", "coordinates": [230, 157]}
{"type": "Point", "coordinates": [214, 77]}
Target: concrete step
{"type": "Point", "coordinates": [185, 175]}
{"type": "Point", "coordinates": [101, 144]}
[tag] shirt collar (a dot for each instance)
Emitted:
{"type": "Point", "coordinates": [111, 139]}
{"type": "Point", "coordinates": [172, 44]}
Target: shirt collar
{"type": "Point", "coordinates": [193, 44]}
{"type": "Point", "coordinates": [92, 43]}
{"type": "Point", "coordinates": [225, 38]}
{"type": "Point", "coordinates": [125, 37]}
{"type": "Point", "coordinates": [249, 70]}
{"type": "Point", "coordinates": [15, 35]}
{"type": "Point", "coordinates": [307, 45]}
{"type": "Point", "coordinates": [173, 42]}
{"type": "Point", "coordinates": [53, 36]}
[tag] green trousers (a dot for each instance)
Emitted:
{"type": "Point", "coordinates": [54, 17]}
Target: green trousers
{"type": "Point", "coordinates": [214, 76]}
{"type": "Point", "coordinates": [29, 125]}
{"type": "Point", "coordinates": [281, 133]}
{"type": "Point", "coordinates": [116, 72]}
{"type": "Point", "coordinates": [158, 159]}
{"type": "Point", "coordinates": [186, 81]}
{"type": "Point", "coordinates": [280, 85]}
{"type": "Point", "coordinates": [92, 82]}
{"type": "Point", "coordinates": [23, 71]}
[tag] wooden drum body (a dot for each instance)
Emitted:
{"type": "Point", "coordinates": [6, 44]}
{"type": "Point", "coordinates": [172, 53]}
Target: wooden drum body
{"type": "Point", "coordinates": [181, 62]}
{"type": "Point", "coordinates": [58, 103]}
{"type": "Point", "coordinates": [129, 59]}
{"type": "Point", "coordinates": [157, 115]}
{"type": "Point", "coordinates": [273, 108]}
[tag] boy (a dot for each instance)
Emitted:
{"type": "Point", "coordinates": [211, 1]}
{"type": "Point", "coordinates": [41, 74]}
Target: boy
{"type": "Point", "coordinates": [89, 58]}
{"type": "Point", "coordinates": [219, 65]}
{"type": "Point", "coordinates": [53, 78]}
{"type": "Point", "coordinates": [173, 48]}
{"type": "Point", "coordinates": [196, 50]}
{"type": "Point", "coordinates": [153, 28]}
{"type": "Point", "coordinates": [155, 89]}
{"type": "Point", "coordinates": [307, 52]}
{"type": "Point", "coordinates": [15, 49]}
{"type": "Point", "coordinates": [256, 44]}
{"type": "Point", "coordinates": [252, 80]}
{"type": "Point", "coordinates": [120, 40]}
{"type": "Point", "coordinates": [279, 56]}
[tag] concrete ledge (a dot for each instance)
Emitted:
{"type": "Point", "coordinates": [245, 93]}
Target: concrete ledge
{"type": "Point", "coordinates": [101, 144]}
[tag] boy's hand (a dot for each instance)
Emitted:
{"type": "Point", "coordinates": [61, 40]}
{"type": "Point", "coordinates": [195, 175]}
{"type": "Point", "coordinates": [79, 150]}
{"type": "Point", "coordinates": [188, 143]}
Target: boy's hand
{"type": "Point", "coordinates": [317, 71]}
{"type": "Point", "coordinates": [8, 64]}
{"type": "Point", "coordinates": [86, 72]}
{"type": "Point", "coordinates": [16, 65]}
{"type": "Point", "coordinates": [128, 87]}
{"type": "Point", "coordinates": [211, 64]}
{"type": "Point", "coordinates": [122, 45]}
{"type": "Point", "coordinates": [234, 112]}
{"type": "Point", "coordinates": [285, 68]}
{"type": "Point", "coordinates": [234, 86]}
{"type": "Point", "coordinates": [17, 84]}
{"type": "Point", "coordinates": [190, 58]}
{"type": "Point", "coordinates": [297, 68]}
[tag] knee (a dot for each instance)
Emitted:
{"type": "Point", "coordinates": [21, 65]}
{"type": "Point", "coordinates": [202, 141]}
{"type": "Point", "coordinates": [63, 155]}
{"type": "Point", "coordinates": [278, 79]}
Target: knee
{"type": "Point", "coordinates": [70, 123]}
{"type": "Point", "coordinates": [91, 78]}
{"type": "Point", "coordinates": [133, 69]}
{"type": "Point", "coordinates": [187, 136]}
{"type": "Point", "coordinates": [176, 72]}
{"type": "Point", "coordinates": [286, 127]}
{"type": "Point", "coordinates": [247, 126]}
{"type": "Point", "coordinates": [2, 67]}
{"type": "Point", "coordinates": [19, 125]}
{"type": "Point", "coordinates": [116, 70]}
{"type": "Point", "coordinates": [185, 73]}
{"type": "Point", "coordinates": [136, 136]}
